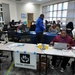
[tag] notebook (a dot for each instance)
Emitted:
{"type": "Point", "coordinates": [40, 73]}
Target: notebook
{"type": "Point", "coordinates": [60, 46]}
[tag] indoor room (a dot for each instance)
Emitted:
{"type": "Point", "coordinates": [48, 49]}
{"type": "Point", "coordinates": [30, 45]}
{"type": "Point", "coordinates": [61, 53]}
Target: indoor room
{"type": "Point", "coordinates": [37, 37]}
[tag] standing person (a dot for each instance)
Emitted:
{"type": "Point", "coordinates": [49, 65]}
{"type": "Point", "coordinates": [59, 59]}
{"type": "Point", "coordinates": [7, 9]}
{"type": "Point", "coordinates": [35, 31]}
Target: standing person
{"type": "Point", "coordinates": [40, 28]}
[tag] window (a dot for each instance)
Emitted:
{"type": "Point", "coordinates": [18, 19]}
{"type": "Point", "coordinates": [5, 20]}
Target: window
{"type": "Point", "coordinates": [63, 21]}
{"type": "Point", "coordinates": [65, 5]}
{"type": "Point", "coordinates": [60, 6]}
{"type": "Point", "coordinates": [59, 14]}
{"type": "Point", "coordinates": [51, 7]}
{"type": "Point", "coordinates": [54, 19]}
{"type": "Point", "coordinates": [47, 8]}
{"type": "Point", "coordinates": [50, 19]}
{"type": "Point", "coordinates": [64, 13]}
{"type": "Point", "coordinates": [44, 9]}
{"type": "Point", "coordinates": [59, 19]}
{"type": "Point", "coordinates": [47, 14]}
{"type": "Point", "coordinates": [56, 12]}
{"type": "Point", "coordinates": [50, 14]}
{"type": "Point", "coordinates": [55, 7]}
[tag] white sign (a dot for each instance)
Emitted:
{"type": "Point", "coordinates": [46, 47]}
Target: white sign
{"type": "Point", "coordinates": [27, 60]}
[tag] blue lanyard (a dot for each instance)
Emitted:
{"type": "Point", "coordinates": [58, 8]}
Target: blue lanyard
{"type": "Point", "coordinates": [63, 40]}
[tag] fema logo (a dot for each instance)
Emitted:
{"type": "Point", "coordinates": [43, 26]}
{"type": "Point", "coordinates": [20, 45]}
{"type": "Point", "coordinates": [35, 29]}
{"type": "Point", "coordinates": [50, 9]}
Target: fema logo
{"type": "Point", "coordinates": [25, 58]}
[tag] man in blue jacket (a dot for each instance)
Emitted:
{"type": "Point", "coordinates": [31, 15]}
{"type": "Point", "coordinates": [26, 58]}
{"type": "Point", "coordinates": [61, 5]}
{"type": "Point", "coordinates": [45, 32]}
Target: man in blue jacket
{"type": "Point", "coordinates": [40, 28]}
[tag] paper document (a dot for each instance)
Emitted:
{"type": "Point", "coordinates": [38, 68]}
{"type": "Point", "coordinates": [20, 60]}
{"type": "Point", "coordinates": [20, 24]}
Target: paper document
{"type": "Point", "coordinates": [68, 53]}
{"type": "Point", "coordinates": [12, 46]}
{"type": "Point", "coordinates": [53, 52]}
{"type": "Point", "coordinates": [73, 47]}
{"type": "Point", "coordinates": [33, 32]}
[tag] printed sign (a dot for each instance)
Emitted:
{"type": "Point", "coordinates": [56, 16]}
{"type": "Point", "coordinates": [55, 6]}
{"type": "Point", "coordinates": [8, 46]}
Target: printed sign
{"type": "Point", "coordinates": [27, 60]}
{"type": "Point", "coordinates": [23, 15]}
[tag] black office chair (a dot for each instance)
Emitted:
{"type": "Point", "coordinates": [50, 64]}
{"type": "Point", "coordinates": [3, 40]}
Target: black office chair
{"type": "Point", "coordinates": [25, 39]}
{"type": "Point", "coordinates": [69, 28]}
{"type": "Point", "coordinates": [32, 28]}
{"type": "Point", "coordinates": [47, 27]}
{"type": "Point", "coordinates": [2, 55]}
{"type": "Point", "coordinates": [69, 32]}
{"type": "Point", "coordinates": [12, 35]}
{"type": "Point", "coordinates": [5, 28]}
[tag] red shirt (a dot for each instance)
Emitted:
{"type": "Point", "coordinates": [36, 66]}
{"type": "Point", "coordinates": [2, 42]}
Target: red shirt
{"type": "Point", "coordinates": [67, 40]}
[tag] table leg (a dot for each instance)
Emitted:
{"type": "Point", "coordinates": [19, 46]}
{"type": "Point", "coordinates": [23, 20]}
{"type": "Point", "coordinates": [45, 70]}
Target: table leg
{"type": "Point", "coordinates": [46, 66]}
{"type": "Point", "coordinates": [39, 64]}
{"type": "Point", "coordinates": [11, 56]}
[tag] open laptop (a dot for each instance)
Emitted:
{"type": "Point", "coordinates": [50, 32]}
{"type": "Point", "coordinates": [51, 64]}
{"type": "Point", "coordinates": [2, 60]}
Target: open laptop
{"type": "Point", "coordinates": [60, 46]}
{"type": "Point", "coordinates": [53, 31]}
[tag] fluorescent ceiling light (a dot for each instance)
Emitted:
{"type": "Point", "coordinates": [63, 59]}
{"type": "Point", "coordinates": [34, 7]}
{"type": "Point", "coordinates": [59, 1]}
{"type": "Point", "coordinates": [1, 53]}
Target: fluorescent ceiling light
{"type": "Point", "coordinates": [30, 3]}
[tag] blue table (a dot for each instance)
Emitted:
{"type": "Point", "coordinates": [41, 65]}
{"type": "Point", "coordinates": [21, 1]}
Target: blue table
{"type": "Point", "coordinates": [48, 37]}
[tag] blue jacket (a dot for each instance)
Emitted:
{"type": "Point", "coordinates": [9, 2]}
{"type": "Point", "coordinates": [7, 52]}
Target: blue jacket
{"type": "Point", "coordinates": [39, 25]}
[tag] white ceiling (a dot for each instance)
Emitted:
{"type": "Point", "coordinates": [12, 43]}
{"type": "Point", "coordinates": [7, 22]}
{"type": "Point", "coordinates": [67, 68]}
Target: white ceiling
{"type": "Point", "coordinates": [33, 1]}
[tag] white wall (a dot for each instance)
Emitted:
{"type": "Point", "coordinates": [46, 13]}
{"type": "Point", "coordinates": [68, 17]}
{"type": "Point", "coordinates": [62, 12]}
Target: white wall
{"type": "Point", "coordinates": [71, 12]}
{"type": "Point", "coordinates": [13, 12]}
{"type": "Point", "coordinates": [12, 9]}
{"type": "Point", "coordinates": [25, 8]}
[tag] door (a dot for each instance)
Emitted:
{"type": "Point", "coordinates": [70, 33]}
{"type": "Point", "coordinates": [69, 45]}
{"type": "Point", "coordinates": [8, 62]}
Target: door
{"type": "Point", "coordinates": [30, 18]}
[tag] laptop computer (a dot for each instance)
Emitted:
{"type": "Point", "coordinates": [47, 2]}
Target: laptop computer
{"type": "Point", "coordinates": [60, 46]}
{"type": "Point", "coordinates": [53, 32]}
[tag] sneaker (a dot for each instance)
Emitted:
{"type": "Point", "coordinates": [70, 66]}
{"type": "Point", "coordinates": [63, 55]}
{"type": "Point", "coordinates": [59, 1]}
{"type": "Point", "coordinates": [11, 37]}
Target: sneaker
{"type": "Point", "coordinates": [62, 70]}
{"type": "Point", "coordinates": [52, 67]}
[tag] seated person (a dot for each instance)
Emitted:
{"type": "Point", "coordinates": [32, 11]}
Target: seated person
{"type": "Point", "coordinates": [46, 22]}
{"type": "Point", "coordinates": [54, 22]}
{"type": "Point", "coordinates": [25, 23]}
{"type": "Point", "coordinates": [19, 31]}
{"type": "Point", "coordinates": [49, 23]}
{"type": "Point", "coordinates": [21, 28]}
{"type": "Point", "coordinates": [19, 22]}
{"type": "Point", "coordinates": [12, 24]}
{"type": "Point", "coordinates": [58, 23]}
{"type": "Point", "coordinates": [33, 23]}
{"type": "Point", "coordinates": [62, 38]}
{"type": "Point", "coordinates": [54, 28]}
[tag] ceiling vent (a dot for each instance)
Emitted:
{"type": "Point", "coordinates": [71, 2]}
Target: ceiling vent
{"type": "Point", "coordinates": [17, 0]}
